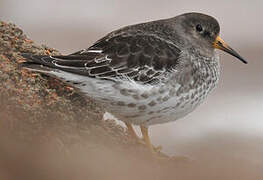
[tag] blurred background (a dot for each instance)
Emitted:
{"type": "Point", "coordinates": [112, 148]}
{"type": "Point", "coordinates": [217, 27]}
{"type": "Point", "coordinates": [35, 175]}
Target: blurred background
{"type": "Point", "coordinates": [227, 130]}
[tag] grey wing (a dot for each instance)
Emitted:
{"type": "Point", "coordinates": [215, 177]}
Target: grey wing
{"type": "Point", "coordinates": [143, 58]}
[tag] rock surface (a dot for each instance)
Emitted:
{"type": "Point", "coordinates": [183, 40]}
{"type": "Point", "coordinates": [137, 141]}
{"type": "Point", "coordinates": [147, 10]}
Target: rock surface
{"type": "Point", "coordinates": [50, 131]}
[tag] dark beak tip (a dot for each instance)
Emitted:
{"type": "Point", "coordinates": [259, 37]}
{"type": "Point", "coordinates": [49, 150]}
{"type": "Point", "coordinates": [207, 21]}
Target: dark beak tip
{"type": "Point", "coordinates": [243, 60]}
{"type": "Point", "coordinates": [220, 44]}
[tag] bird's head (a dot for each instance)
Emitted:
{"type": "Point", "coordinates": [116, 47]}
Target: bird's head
{"type": "Point", "coordinates": [203, 30]}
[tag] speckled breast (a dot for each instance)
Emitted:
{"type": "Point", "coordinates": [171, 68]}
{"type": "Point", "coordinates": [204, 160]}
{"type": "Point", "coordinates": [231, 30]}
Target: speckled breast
{"type": "Point", "coordinates": [167, 102]}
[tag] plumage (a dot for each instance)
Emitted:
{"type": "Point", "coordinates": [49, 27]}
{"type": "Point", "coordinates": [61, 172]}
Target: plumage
{"type": "Point", "coordinates": [147, 73]}
{"type": "Point", "coordinates": [140, 57]}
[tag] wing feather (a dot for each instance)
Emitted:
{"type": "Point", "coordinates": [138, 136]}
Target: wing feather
{"type": "Point", "coordinates": [140, 57]}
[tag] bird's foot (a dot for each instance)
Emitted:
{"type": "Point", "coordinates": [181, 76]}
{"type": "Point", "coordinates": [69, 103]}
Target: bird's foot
{"type": "Point", "coordinates": [157, 149]}
{"type": "Point", "coordinates": [158, 156]}
{"type": "Point", "coordinates": [145, 141]}
{"type": "Point", "coordinates": [142, 141]}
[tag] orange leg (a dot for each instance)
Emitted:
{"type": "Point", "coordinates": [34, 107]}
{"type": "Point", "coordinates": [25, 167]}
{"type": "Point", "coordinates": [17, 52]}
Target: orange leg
{"type": "Point", "coordinates": [147, 141]}
{"type": "Point", "coordinates": [131, 131]}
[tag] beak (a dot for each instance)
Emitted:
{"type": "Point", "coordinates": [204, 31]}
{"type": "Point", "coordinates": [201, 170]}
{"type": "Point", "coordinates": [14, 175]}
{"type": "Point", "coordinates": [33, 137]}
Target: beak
{"type": "Point", "coordinates": [220, 44]}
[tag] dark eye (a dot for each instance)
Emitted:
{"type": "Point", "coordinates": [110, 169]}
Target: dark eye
{"type": "Point", "coordinates": [199, 28]}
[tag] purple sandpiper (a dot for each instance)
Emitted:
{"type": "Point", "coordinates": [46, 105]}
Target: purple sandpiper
{"type": "Point", "coordinates": [148, 73]}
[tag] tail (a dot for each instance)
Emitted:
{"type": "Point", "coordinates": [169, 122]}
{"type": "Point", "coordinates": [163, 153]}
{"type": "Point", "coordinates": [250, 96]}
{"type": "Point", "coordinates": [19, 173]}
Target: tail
{"type": "Point", "coordinates": [61, 67]}
{"type": "Point", "coordinates": [71, 63]}
{"type": "Point", "coordinates": [39, 63]}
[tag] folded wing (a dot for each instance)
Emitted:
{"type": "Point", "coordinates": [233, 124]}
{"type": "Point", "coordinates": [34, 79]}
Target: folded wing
{"type": "Point", "coordinates": [140, 57]}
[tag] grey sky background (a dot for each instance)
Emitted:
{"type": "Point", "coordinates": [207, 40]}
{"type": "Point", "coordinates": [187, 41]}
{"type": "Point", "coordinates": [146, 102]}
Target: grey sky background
{"type": "Point", "coordinates": [231, 118]}
{"type": "Point", "coordinates": [68, 20]}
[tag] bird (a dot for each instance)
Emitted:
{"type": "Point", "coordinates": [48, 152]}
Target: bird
{"type": "Point", "coordinates": [145, 74]}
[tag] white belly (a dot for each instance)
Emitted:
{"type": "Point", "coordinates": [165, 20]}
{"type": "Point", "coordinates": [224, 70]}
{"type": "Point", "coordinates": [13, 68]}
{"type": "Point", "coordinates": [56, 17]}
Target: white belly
{"type": "Point", "coordinates": [146, 105]}
{"type": "Point", "coordinates": [140, 104]}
